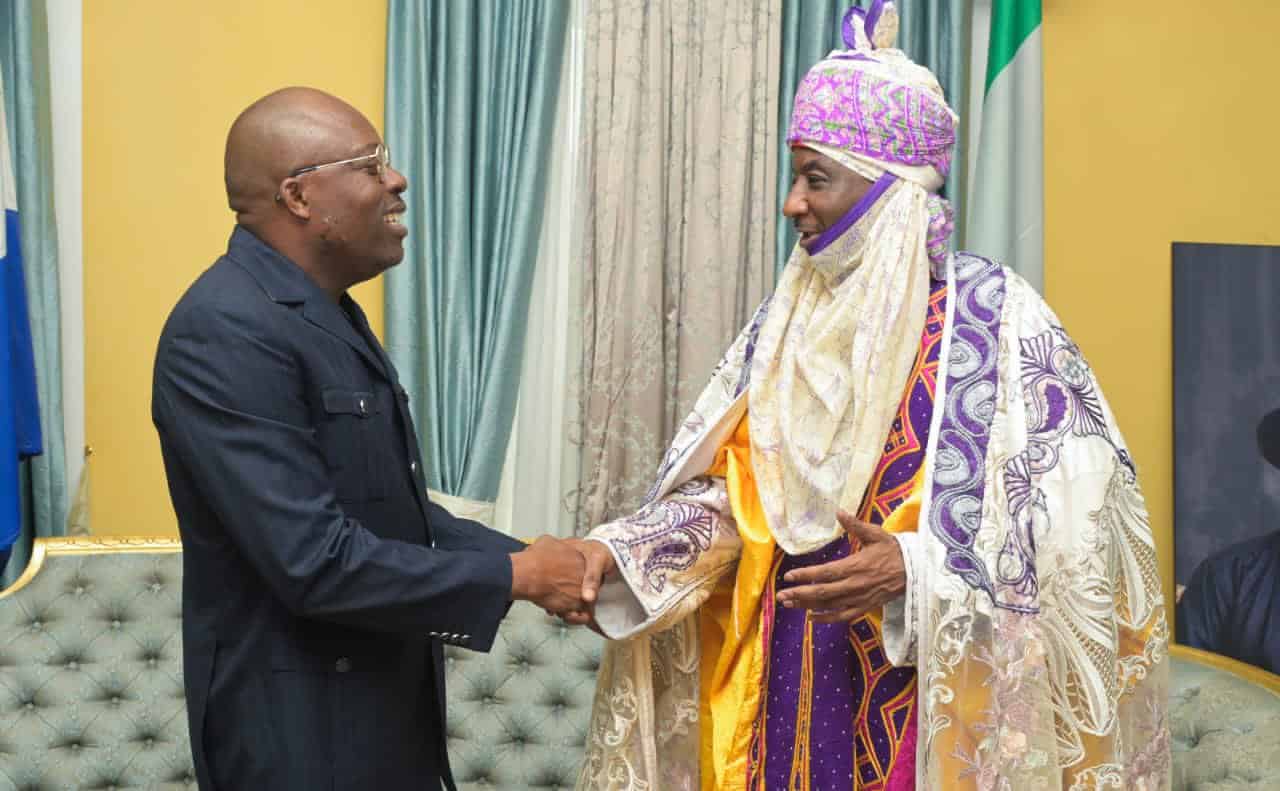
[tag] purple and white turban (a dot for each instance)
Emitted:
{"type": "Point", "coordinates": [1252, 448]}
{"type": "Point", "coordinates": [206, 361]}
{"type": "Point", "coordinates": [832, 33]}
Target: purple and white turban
{"type": "Point", "coordinates": [872, 109]}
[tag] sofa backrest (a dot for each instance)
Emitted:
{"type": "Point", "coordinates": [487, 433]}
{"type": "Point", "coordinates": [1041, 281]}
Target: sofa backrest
{"type": "Point", "coordinates": [91, 688]}
{"type": "Point", "coordinates": [1225, 722]}
{"type": "Point", "coordinates": [91, 680]}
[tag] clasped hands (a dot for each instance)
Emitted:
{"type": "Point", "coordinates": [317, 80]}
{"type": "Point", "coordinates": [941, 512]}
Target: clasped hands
{"type": "Point", "coordinates": [563, 576]}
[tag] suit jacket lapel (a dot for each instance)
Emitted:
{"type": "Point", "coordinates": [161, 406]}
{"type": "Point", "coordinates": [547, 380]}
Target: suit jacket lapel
{"type": "Point", "coordinates": [329, 316]}
{"type": "Point", "coordinates": [286, 283]}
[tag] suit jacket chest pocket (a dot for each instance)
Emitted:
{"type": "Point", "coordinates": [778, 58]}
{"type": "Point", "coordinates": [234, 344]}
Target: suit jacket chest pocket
{"type": "Point", "coordinates": [349, 433]}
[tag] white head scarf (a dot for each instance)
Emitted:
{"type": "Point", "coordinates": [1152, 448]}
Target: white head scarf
{"type": "Point", "coordinates": [844, 325]}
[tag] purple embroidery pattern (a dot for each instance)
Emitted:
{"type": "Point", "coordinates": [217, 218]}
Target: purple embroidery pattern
{"type": "Point", "coordinates": [753, 332]}
{"type": "Point", "coordinates": [675, 453]}
{"type": "Point", "coordinates": [1061, 401]}
{"type": "Point", "coordinates": [686, 530]}
{"type": "Point", "coordinates": [842, 106]}
{"type": "Point", "coordinates": [960, 460]}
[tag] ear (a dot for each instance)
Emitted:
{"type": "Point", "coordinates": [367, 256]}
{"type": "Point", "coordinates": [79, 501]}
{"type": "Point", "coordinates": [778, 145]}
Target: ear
{"type": "Point", "coordinates": [292, 197]}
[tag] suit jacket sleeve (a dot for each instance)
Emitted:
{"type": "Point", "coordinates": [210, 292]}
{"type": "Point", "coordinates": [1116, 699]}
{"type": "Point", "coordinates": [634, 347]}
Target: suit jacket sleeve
{"type": "Point", "coordinates": [1202, 609]}
{"type": "Point", "coordinates": [455, 533]}
{"type": "Point", "coordinates": [230, 404]}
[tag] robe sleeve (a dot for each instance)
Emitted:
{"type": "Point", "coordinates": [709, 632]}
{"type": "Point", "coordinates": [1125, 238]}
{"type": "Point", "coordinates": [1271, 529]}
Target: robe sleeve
{"type": "Point", "coordinates": [669, 556]}
{"type": "Point", "coordinates": [900, 624]}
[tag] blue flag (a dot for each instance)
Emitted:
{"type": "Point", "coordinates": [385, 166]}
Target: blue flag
{"type": "Point", "coordinates": [19, 406]}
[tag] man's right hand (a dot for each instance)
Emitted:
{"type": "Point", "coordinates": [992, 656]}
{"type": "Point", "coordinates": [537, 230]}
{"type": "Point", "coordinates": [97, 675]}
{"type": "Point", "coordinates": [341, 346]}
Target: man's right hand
{"type": "Point", "coordinates": [549, 573]}
{"type": "Point", "coordinates": [600, 566]}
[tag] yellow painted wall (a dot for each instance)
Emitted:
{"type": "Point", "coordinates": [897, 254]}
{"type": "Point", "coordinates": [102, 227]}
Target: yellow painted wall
{"type": "Point", "coordinates": [163, 81]}
{"type": "Point", "coordinates": [1160, 119]}
{"type": "Point", "coordinates": [1158, 127]}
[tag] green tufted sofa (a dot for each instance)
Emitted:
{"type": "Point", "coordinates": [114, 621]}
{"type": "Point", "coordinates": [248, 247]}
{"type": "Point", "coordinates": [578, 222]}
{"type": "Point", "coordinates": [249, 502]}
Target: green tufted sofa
{"type": "Point", "coordinates": [91, 680]}
{"type": "Point", "coordinates": [91, 688]}
{"type": "Point", "coordinates": [1225, 727]}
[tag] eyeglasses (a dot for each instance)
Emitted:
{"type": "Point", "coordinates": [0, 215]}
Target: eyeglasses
{"type": "Point", "coordinates": [381, 155]}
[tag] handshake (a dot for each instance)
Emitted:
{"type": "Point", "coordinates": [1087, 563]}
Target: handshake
{"type": "Point", "coordinates": [562, 576]}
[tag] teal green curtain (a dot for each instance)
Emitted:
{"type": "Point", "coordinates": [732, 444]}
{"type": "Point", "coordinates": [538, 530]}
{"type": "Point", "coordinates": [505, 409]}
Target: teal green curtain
{"type": "Point", "coordinates": [934, 33]}
{"type": "Point", "coordinates": [471, 96]}
{"type": "Point", "coordinates": [24, 61]}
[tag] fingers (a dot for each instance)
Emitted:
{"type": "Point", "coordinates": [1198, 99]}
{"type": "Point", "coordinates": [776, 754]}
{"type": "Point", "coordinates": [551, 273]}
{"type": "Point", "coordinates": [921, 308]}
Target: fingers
{"type": "Point", "coordinates": [569, 577]}
{"type": "Point", "coordinates": [583, 619]}
{"type": "Point", "coordinates": [831, 571]}
{"type": "Point", "coordinates": [829, 603]}
{"type": "Point", "coordinates": [599, 564]}
{"type": "Point", "coordinates": [823, 596]}
{"type": "Point", "coordinates": [550, 575]}
{"type": "Point", "coordinates": [860, 533]}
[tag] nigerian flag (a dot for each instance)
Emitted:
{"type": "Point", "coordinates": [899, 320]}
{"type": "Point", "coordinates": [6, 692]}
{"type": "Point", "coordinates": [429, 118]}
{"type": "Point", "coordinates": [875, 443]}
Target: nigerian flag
{"type": "Point", "coordinates": [1005, 217]}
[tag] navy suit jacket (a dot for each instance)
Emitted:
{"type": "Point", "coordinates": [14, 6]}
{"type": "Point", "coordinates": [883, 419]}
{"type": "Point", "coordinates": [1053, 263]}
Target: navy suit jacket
{"type": "Point", "coordinates": [1232, 603]}
{"type": "Point", "coordinates": [319, 581]}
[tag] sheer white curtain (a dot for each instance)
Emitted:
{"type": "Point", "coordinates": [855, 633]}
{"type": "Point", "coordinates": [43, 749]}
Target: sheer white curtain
{"type": "Point", "coordinates": [541, 465]}
{"type": "Point", "coordinates": [65, 45]}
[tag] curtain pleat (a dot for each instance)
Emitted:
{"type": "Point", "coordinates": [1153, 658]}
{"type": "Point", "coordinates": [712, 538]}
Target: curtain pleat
{"type": "Point", "coordinates": [470, 109]}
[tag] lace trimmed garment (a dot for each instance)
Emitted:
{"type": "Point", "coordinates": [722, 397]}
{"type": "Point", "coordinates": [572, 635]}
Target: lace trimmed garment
{"type": "Point", "coordinates": [1033, 614]}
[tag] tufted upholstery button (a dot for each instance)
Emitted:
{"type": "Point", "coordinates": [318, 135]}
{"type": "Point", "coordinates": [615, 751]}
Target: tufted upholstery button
{"type": "Point", "coordinates": [125, 640]}
{"type": "Point", "coordinates": [73, 665]}
{"type": "Point", "coordinates": [37, 625]}
{"type": "Point", "coordinates": [343, 665]}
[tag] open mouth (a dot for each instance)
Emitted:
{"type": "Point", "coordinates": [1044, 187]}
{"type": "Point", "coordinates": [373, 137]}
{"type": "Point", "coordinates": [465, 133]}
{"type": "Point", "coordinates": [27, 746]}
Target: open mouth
{"type": "Point", "coordinates": [394, 218]}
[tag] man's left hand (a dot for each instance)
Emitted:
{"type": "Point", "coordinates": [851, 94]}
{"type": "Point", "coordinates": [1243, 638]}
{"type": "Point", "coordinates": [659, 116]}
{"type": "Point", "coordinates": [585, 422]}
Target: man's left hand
{"type": "Point", "coordinates": [845, 589]}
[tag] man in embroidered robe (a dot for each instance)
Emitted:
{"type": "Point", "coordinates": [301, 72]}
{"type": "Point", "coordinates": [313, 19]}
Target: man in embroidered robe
{"type": "Point", "coordinates": [899, 544]}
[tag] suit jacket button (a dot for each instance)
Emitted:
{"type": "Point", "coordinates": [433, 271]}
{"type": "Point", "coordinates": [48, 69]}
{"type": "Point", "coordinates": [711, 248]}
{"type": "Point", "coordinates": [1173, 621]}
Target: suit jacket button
{"type": "Point", "coordinates": [364, 408]}
{"type": "Point", "coordinates": [343, 665]}
{"type": "Point", "coordinates": [413, 466]}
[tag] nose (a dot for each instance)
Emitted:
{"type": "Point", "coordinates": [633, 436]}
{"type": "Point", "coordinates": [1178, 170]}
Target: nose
{"type": "Point", "coordinates": [396, 182]}
{"type": "Point", "coordinates": [796, 204]}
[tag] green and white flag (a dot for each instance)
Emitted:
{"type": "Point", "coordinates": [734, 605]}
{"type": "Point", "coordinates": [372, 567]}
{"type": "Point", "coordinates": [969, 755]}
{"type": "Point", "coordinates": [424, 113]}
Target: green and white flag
{"type": "Point", "coordinates": [1005, 217]}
